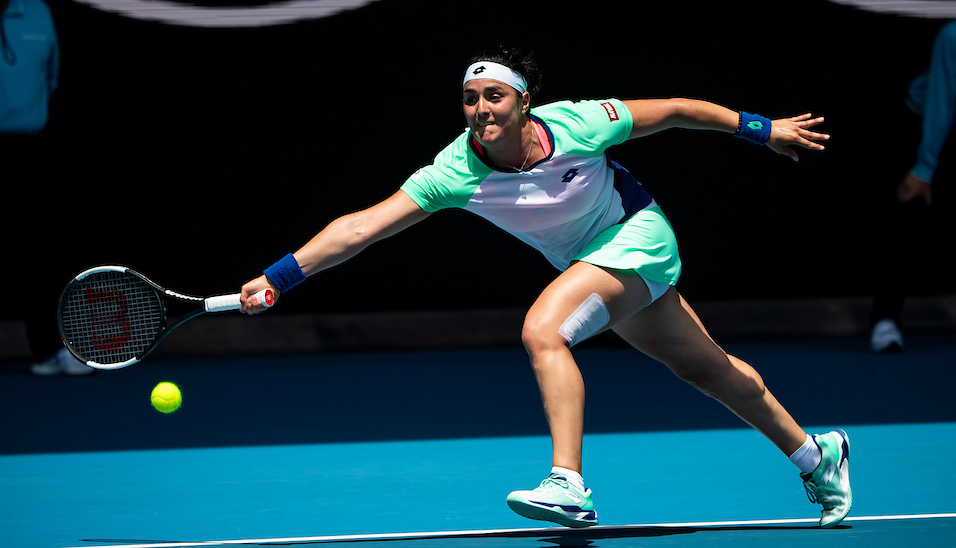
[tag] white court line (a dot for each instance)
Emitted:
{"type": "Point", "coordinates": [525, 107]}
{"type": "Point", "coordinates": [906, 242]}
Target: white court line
{"type": "Point", "coordinates": [502, 532]}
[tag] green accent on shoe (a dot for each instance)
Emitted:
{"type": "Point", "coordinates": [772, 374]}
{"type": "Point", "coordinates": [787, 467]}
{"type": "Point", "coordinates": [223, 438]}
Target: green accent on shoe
{"type": "Point", "coordinates": [557, 501]}
{"type": "Point", "coordinates": [829, 484]}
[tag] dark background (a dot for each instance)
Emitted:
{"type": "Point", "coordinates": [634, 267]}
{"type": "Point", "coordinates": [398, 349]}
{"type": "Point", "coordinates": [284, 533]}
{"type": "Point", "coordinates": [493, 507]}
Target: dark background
{"type": "Point", "coordinates": [201, 155]}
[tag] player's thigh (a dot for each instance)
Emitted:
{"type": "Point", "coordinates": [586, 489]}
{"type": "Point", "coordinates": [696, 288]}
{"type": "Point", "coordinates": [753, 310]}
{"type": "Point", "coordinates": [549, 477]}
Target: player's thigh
{"type": "Point", "coordinates": [622, 293]}
{"type": "Point", "coordinates": [670, 332]}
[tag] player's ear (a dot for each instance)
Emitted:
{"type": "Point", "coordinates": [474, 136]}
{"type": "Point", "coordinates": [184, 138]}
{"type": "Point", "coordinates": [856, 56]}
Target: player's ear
{"type": "Point", "coordinates": [525, 102]}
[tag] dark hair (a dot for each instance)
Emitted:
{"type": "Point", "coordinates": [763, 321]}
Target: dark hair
{"type": "Point", "coordinates": [517, 60]}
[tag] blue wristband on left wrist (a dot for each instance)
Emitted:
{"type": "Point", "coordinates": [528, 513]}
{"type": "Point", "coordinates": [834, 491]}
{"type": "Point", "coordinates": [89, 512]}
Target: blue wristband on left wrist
{"type": "Point", "coordinates": [754, 128]}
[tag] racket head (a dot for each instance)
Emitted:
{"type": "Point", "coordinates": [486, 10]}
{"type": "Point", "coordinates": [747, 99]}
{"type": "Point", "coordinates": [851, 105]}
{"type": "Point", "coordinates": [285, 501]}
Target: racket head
{"type": "Point", "coordinates": [111, 316]}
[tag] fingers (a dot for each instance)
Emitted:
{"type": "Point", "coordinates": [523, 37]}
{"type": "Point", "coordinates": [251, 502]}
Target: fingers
{"type": "Point", "coordinates": [252, 306]}
{"type": "Point", "coordinates": [795, 131]}
{"type": "Point", "coordinates": [803, 123]}
{"type": "Point", "coordinates": [808, 140]}
{"type": "Point", "coordinates": [249, 305]}
{"type": "Point", "coordinates": [807, 119]}
{"type": "Point", "coordinates": [248, 302]}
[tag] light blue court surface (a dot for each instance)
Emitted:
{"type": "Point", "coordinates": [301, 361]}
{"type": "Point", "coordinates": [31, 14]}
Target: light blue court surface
{"type": "Point", "coordinates": [410, 456]}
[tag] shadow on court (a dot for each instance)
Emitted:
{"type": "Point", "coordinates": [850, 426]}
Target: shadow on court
{"type": "Point", "coordinates": [550, 538]}
{"type": "Point", "coordinates": [592, 537]}
{"type": "Point", "coordinates": [588, 537]}
{"type": "Point", "coordinates": [453, 394]}
{"type": "Point", "coordinates": [863, 533]}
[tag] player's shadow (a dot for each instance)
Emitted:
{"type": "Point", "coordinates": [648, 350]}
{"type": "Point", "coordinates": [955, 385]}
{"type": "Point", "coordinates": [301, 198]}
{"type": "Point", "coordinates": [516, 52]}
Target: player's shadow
{"type": "Point", "coordinates": [556, 537]}
{"type": "Point", "coordinates": [568, 538]}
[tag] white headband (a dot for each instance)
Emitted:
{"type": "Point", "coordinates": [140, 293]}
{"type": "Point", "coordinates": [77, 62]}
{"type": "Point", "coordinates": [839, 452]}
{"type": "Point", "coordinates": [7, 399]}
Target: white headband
{"type": "Point", "coordinates": [495, 71]}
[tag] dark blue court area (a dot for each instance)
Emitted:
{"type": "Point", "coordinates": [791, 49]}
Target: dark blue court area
{"type": "Point", "coordinates": [420, 448]}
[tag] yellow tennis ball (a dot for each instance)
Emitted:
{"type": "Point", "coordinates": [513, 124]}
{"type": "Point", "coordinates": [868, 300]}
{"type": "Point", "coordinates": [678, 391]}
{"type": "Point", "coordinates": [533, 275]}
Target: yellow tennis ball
{"type": "Point", "coordinates": [166, 397]}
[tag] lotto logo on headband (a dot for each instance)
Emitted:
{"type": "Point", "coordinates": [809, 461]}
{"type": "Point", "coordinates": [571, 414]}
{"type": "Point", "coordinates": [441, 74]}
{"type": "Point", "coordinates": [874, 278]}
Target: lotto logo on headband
{"type": "Point", "coordinates": [495, 71]}
{"type": "Point", "coordinates": [611, 111]}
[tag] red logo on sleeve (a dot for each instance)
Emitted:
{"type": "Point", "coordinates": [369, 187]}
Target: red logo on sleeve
{"type": "Point", "coordinates": [611, 112]}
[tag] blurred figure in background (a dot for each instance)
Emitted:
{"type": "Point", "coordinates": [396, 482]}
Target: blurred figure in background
{"type": "Point", "coordinates": [932, 96]}
{"type": "Point", "coordinates": [29, 69]}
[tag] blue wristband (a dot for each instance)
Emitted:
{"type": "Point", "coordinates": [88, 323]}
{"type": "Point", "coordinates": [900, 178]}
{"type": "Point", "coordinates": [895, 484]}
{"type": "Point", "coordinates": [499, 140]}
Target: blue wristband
{"type": "Point", "coordinates": [754, 128]}
{"type": "Point", "coordinates": [285, 273]}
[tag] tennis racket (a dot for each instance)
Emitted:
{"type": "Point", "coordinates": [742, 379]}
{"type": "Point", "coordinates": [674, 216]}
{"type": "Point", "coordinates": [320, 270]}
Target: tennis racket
{"type": "Point", "coordinates": [112, 316]}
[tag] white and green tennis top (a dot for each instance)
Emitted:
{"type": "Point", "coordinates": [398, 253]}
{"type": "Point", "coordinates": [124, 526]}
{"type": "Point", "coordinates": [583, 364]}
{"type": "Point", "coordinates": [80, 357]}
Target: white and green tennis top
{"type": "Point", "coordinates": [557, 205]}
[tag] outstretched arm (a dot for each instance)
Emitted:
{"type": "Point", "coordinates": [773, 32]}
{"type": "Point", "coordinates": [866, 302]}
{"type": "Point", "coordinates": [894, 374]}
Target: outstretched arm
{"type": "Point", "coordinates": [654, 115]}
{"type": "Point", "coordinates": [344, 238]}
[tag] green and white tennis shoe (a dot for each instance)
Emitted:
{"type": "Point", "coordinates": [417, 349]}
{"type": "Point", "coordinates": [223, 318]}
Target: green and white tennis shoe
{"type": "Point", "coordinates": [829, 484]}
{"type": "Point", "coordinates": [557, 501]}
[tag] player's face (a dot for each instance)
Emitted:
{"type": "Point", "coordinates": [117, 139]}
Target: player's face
{"type": "Point", "coordinates": [493, 109]}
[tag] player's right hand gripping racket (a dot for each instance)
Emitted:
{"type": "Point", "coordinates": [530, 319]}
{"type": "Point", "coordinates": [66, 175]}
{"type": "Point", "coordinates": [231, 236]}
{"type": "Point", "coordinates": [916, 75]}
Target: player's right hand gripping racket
{"type": "Point", "coordinates": [112, 316]}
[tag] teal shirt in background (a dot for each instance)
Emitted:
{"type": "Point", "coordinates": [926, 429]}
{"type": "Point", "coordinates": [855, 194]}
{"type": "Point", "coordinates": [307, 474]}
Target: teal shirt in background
{"type": "Point", "coordinates": [933, 95]}
{"type": "Point", "coordinates": [29, 66]}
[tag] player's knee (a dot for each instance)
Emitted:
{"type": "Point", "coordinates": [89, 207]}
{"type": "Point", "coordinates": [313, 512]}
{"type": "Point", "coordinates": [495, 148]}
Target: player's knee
{"type": "Point", "coordinates": [543, 331]}
{"type": "Point", "coordinates": [539, 335]}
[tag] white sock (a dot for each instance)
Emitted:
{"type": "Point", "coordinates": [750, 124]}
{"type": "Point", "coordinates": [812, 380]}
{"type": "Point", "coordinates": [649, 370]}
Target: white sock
{"type": "Point", "coordinates": [573, 477]}
{"type": "Point", "coordinates": [808, 457]}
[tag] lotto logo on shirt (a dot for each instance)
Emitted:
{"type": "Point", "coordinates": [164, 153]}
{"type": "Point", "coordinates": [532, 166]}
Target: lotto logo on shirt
{"type": "Point", "coordinates": [611, 111]}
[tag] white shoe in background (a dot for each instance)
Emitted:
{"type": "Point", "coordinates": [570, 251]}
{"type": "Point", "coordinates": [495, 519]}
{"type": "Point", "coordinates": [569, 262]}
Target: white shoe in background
{"type": "Point", "coordinates": [886, 337]}
{"type": "Point", "coordinates": [61, 363]}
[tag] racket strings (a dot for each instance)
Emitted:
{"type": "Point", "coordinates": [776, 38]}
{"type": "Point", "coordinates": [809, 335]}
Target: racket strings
{"type": "Point", "coordinates": [111, 317]}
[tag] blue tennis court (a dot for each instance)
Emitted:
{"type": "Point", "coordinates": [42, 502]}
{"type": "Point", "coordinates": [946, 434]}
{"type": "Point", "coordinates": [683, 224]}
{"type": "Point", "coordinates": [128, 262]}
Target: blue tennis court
{"type": "Point", "coordinates": [420, 448]}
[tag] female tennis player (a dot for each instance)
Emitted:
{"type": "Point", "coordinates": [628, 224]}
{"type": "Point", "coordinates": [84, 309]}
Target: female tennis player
{"type": "Point", "coordinates": [542, 174]}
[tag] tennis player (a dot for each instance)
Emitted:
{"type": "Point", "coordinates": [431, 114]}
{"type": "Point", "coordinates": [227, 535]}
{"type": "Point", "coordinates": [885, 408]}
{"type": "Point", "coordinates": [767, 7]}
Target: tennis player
{"type": "Point", "coordinates": [542, 174]}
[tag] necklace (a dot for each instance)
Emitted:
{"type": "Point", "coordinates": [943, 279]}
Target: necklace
{"type": "Point", "coordinates": [527, 156]}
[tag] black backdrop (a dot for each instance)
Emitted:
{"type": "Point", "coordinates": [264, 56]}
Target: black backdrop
{"type": "Point", "coordinates": [202, 155]}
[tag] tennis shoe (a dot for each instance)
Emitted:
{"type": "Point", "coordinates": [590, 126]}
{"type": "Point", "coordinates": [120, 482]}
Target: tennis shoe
{"type": "Point", "coordinates": [61, 363]}
{"type": "Point", "coordinates": [829, 484]}
{"type": "Point", "coordinates": [557, 501]}
{"type": "Point", "coordinates": [886, 337]}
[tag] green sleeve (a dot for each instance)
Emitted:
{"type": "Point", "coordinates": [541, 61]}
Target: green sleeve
{"type": "Point", "coordinates": [588, 127]}
{"type": "Point", "coordinates": [449, 181]}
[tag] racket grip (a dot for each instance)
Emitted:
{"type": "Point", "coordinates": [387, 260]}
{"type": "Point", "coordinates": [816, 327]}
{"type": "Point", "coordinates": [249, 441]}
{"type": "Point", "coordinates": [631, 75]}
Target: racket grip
{"type": "Point", "coordinates": [225, 303]}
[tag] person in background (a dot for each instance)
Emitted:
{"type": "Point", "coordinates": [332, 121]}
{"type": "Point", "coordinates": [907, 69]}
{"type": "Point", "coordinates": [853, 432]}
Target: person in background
{"type": "Point", "coordinates": [932, 96]}
{"type": "Point", "coordinates": [29, 69]}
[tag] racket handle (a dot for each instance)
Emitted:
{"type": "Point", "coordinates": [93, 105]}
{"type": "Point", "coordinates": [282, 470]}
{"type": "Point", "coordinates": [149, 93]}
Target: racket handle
{"type": "Point", "coordinates": [225, 303]}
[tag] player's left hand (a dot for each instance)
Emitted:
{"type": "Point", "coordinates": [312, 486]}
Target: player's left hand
{"type": "Point", "coordinates": [787, 133]}
{"type": "Point", "coordinates": [248, 303]}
